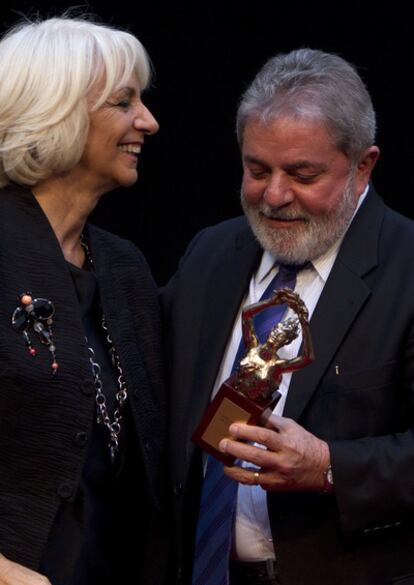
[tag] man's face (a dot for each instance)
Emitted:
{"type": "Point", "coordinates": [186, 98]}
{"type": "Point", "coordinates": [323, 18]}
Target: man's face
{"type": "Point", "coordinates": [299, 191]}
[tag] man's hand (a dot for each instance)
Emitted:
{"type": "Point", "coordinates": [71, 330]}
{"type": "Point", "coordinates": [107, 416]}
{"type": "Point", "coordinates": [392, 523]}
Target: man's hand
{"type": "Point", "coordinates": [14, 574]}
{"type": "Point", "coordinates": [294, 459]}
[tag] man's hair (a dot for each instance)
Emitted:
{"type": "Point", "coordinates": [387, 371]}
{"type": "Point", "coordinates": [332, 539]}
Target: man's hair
{"type": "Point", "coordinates": [311, 84]}
{"type": "Point", "coordinates": [50, 70]}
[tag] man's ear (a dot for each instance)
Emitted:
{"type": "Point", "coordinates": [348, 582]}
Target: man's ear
{"type": "Point", "coordinates": [367, 161]}
{"type": "Point", "coordinates": [365, 167]}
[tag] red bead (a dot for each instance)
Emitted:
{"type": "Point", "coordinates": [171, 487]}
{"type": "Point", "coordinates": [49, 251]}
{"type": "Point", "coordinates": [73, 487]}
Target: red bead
{"type": "Point", "coordinates": [26, 299]}
{"type": "Point", "coordinates": [32, 351]}
{"type": "Point", "coordinates": [55, 365]}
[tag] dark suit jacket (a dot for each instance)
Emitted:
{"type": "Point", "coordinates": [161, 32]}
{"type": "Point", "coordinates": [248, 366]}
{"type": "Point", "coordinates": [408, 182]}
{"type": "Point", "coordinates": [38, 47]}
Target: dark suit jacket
{"type": "Point", "coordinates": [44, 419]}
{"type": "Point", "coordinates": [364, 324]}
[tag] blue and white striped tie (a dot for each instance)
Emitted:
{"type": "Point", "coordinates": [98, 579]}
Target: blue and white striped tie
{"type": "Point", "coordinates": [219, 492]}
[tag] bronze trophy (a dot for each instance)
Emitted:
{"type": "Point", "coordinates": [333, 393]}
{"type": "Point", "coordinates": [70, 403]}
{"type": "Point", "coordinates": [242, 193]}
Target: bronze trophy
{"type": "Point", "coordinates": [251, 392]}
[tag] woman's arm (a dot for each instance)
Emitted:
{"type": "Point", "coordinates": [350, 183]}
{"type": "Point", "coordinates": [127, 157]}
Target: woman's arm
{"type": "Point", "coordinates": [14, 574]}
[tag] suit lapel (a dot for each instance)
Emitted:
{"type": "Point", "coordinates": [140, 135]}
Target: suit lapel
{"type": "Point", "coordinates": [121, 312]}
{"type": "Point", "coordinates": [342, 298]}
{"type": "Point", "coordinates": [32, 260]}
{"type": "Point", "coordinates": [228, 283]}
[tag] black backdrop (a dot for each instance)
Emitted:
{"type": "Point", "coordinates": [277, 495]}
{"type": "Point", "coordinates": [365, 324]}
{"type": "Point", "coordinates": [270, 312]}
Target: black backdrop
{"type": "Point", "coordinates": [204, 55]}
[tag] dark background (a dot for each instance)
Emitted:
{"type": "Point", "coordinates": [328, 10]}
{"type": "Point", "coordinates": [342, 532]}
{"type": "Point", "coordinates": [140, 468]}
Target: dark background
{"type": "Point", "coordinates": [204, 56]}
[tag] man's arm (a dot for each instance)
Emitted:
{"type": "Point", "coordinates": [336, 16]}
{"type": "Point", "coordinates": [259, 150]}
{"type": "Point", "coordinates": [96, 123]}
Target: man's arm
{"type": "Point", "coordinates": [373, 476]}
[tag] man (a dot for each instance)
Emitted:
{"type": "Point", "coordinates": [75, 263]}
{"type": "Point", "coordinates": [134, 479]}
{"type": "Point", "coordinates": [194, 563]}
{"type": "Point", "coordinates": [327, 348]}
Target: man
{"type": "Point", "coordinates": [331, 498]}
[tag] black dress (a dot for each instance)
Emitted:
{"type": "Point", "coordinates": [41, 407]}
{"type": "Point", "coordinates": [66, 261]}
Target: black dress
{"type": "Point", "coordinates": [85, 545]}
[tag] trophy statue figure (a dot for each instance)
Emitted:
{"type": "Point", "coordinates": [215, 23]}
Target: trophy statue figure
{"type": "Point", "coordinates": [259, 373]}
{"type": "Point", "coordinates": [250, 394]}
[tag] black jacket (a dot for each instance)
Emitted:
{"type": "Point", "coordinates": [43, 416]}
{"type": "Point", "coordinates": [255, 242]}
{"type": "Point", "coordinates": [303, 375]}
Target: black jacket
{"type": "Point", "coordinates": [42, 417]}
{"type": "Point", "coordinates": [363, 328]}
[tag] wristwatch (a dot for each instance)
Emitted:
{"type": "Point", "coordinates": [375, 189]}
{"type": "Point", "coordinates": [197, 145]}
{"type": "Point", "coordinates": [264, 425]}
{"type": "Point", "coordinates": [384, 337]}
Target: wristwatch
{"type": "Point", "coordinates": [328, 480]}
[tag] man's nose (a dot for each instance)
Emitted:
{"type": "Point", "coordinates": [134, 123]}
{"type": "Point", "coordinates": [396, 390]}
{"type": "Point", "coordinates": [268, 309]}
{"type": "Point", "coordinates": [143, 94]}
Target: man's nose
{"type": "Point", "coordinates": [279, 191]}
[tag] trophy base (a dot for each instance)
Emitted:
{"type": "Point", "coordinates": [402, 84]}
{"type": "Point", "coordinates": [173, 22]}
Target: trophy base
{"type": "Point", "coordinates": [227, 407]}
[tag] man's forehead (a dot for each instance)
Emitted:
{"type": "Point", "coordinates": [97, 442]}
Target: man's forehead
{"type": "Point", "coordinates": [304, 142]}
{"type": "Point", "coordinates": [286, 124]}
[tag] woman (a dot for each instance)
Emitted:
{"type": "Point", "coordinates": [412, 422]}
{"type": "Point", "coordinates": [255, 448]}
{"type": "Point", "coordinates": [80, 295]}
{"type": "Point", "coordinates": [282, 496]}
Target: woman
{"type": "Point", "coordinates": [81, 395]}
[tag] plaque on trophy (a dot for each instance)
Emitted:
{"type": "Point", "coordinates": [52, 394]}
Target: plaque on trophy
{"type": "Point", "coordinates": [251, 392]}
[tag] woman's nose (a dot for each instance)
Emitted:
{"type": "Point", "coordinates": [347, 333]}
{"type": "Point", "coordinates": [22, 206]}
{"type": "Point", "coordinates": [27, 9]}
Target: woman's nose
{"type": "Point", "coordinates": [145, 121]}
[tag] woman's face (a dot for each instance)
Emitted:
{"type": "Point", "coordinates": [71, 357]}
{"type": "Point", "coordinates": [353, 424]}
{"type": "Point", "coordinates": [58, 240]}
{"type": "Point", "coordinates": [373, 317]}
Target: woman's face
{"type": "Point", "coordinates": [115, 140]}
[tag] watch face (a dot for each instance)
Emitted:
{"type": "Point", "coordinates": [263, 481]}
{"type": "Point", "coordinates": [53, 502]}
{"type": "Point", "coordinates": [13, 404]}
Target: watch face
{"type": "Point", "coordinates": [329, 476]}
{"type": "Point", "coordinates": [328, 481]}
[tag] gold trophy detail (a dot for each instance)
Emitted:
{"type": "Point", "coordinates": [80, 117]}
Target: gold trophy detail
{"type": "Point", "coordinates": [251, 392]}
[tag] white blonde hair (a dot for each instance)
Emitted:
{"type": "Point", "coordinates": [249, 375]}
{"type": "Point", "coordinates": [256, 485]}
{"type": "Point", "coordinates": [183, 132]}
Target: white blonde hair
{"type": "Point", "coordinates": [48, 70]}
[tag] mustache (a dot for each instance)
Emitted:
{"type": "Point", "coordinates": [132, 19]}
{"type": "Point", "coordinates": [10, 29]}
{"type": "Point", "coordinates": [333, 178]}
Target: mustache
{"type": "Point", "coordinates": [283, 214]}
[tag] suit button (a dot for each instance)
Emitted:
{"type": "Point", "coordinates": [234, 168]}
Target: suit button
{"type": "Point", "coordinates": [178, 488]}
{"type": "Point", "coordinates": [80, 439]}
{"type": "Point", "coordinates": [87, 387]}
{"type": "Point", "coordinates": [65, 490]}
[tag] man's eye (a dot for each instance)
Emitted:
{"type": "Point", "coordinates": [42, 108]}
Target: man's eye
{"type": "Point", "coordinates": [257, 174]}
{"type": "Point", "coordinates": [305, 178]}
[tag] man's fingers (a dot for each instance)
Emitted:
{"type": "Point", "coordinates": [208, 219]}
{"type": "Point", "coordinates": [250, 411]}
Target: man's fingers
{"type": "Point", "coordinates": [256, 455]}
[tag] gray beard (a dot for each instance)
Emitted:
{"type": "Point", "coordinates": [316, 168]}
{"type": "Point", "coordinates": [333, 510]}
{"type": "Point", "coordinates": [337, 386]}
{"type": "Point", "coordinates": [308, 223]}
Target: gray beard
{"type": "Point", "coordinates": [316, 235]}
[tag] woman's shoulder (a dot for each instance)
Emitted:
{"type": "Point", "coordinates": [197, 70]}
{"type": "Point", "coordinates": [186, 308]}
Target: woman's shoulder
{"type": "Point", "coordinates": [117, 257]}
{"type": "Point", "coordinates": [112, 246]}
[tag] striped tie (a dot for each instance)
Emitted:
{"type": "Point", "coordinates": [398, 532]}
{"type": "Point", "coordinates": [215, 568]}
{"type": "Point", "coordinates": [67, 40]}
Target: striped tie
{"type": "Point", "coordinates": [219, 492]}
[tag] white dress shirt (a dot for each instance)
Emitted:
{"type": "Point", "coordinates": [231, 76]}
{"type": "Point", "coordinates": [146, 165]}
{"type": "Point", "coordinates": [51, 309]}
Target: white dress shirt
{"type": "Point", "coordinates": [252, 535]}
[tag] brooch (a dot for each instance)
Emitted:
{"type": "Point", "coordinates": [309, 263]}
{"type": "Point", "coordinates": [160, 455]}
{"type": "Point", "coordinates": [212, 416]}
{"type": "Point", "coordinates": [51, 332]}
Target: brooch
{"type": "Point", "coordinates": [36, 313]}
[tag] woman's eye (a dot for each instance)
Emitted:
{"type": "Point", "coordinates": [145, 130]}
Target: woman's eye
{"type": "Point", "coordinates": [124, 104]}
